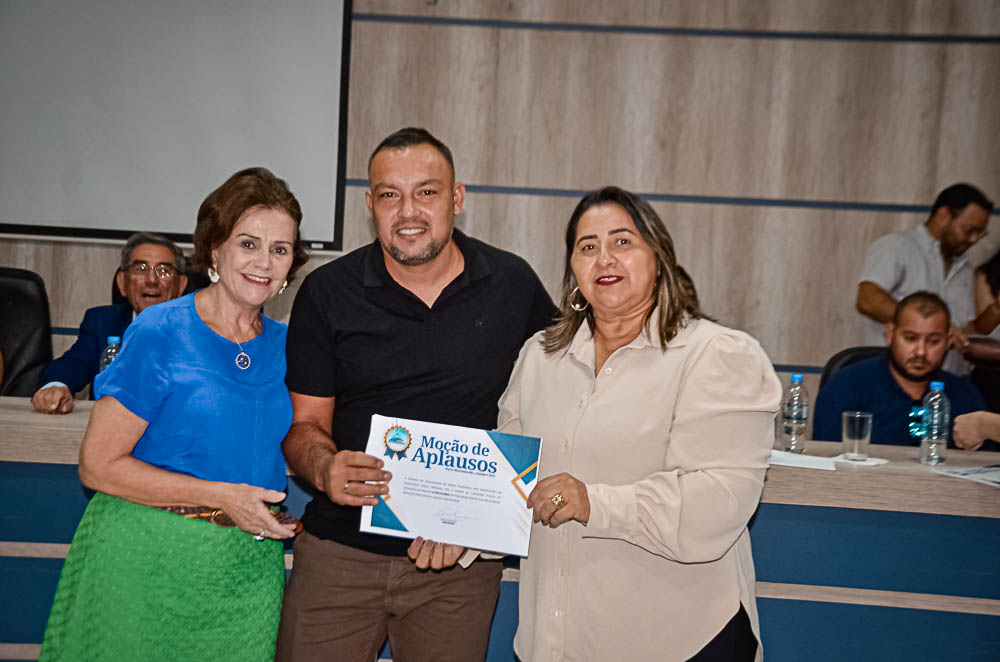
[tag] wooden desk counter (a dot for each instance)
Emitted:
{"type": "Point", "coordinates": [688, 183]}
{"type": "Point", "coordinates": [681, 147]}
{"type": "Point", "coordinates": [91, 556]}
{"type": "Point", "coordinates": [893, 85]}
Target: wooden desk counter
{"type": "Point", "coordinates": [815, 601]}
{"type": "Point", "coordinates": [28, 436]}
{"type": "Point", "coordinates": [901, 485]}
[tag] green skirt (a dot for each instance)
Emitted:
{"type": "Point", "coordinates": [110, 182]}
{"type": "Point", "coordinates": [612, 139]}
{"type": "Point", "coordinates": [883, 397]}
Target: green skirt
{"type": "Point", "coordinates": [143, 584]}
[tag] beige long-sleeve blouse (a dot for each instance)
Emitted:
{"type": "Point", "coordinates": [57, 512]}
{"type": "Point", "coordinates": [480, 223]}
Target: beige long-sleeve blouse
{"type": "Point", "coordinates": [673, 446]}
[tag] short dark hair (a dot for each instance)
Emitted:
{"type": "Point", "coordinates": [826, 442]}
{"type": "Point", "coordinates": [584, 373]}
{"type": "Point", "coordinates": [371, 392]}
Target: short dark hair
{"type": "Point", "coordinates": [926, 303]}
{"type": "Point", "coordinates": [959, 196]}
{"type": "Point", "coordinates": [140, 238]}
{"type": "Point", "coordinates": [410, 136]}
{"type": "Point", "coordinates": [674, 297]}
{"type": "Point", "coordinates": [246, 189]}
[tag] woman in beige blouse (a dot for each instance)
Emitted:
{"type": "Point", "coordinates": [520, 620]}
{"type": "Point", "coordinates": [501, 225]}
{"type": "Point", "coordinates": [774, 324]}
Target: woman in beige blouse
{"type": "Point", "coordinates": [657, 427]}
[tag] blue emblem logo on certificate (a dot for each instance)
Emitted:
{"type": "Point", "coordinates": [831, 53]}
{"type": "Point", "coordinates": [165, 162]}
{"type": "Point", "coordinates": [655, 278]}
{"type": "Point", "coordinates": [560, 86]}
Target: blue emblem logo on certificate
{"type": "Point", "coordinates": [397, 440]}
{"type": "Point", "coordinates": [455, 485]}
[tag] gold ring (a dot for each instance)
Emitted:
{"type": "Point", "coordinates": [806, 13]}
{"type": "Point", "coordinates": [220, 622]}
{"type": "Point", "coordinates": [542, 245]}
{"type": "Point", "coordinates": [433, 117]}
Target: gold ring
{"type": "Point", "coordinates": [558, 501]}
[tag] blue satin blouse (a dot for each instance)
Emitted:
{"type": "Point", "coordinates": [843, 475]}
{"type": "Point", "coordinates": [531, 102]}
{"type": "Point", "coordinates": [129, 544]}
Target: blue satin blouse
{"type": "Point", "coordinates": [207, 417]}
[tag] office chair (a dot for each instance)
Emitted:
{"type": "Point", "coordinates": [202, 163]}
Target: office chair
{"type": "Point", "coordinates": [25, 330]}
{"type": "Point", "coordinates": [846, 357]}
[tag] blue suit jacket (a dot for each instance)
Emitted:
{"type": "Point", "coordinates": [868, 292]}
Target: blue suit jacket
{"type": "Point", "coordinates": [79, 365]}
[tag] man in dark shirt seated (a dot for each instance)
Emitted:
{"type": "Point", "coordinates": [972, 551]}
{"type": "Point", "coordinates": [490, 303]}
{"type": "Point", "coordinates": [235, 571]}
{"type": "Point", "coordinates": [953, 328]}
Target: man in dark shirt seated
{"type": "Point", "coordinates": [888, 386]}
{"type": "Point", "coordinates": [151, 271]}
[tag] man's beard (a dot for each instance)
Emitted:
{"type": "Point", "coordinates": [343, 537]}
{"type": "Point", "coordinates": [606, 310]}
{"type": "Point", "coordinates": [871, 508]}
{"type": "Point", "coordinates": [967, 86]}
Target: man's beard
{"type": "Point", "coordinates": [953, 251]}
{"type": "Point", "coordinates": [906, 374]}
{"type": "Point", "coordinates": [431, 251]}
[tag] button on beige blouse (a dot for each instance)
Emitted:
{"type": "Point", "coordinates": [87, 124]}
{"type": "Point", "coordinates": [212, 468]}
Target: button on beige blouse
{"type": "Point", "coordinates": [673, 446]}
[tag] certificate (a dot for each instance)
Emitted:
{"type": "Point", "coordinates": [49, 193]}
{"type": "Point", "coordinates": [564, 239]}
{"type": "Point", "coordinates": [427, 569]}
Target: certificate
{"type": "Point", "coordinates": [454, 485]}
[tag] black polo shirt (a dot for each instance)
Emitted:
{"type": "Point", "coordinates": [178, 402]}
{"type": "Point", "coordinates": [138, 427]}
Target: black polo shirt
{"type": "Point", "coordinates": [357, 335]}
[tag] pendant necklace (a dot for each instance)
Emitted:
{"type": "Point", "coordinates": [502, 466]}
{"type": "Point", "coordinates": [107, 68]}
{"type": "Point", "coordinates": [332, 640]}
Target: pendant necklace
{"type": "Point", "coordinates": [242, 359]}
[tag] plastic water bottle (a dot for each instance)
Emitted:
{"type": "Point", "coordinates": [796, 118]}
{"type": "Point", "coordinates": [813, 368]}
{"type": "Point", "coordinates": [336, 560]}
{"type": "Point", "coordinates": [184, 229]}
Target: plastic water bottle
{"type": "Point", "coordinates": [937, 424]}
{"type": "Point", "coordinates": [110, 352]}
{"type": "Point", "coordinates": [794, 414]}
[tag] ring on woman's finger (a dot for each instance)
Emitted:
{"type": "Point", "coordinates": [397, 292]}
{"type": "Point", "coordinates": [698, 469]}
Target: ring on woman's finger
{"type": "Point", "coordinates": [345, 486]}
{"type": "Point", "coordinates": [260, 536]}
{"type": "Point", "coordinates": [558, 500]}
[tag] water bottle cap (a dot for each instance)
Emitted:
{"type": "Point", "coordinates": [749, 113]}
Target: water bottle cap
{"type": "Point", "coordinates": [937, 386]}
{"type": "Point", "coordinates": [796, 378]}
{"type": "Point", "coordinates": [114, 340]}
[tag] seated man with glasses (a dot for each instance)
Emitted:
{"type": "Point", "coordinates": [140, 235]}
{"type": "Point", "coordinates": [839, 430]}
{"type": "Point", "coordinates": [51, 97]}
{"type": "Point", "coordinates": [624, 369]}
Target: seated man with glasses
{"type": "Point", "coordinates": [151, 271]}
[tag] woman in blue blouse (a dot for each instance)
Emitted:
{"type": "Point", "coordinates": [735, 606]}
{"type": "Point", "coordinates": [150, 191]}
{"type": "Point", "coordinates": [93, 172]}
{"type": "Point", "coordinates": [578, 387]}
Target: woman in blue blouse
{"type": "Point", "coordinates": [185, 442]}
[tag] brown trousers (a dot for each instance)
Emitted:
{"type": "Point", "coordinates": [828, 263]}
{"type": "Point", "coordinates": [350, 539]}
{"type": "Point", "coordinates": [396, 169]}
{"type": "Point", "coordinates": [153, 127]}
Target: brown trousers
{"type": "Point", "coordinates": [340, 604]}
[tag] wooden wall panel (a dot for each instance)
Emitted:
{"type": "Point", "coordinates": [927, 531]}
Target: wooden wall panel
{"type": "Point", "coordinates": [801, 119]}
{"type": "Point", "coordinates": [756, 268]}
{"type": "Point", "coordinates": [786, 276]}
{"type": "Point", "coordinates": [530, 110]}
{"type": "Point", "coordinates": [837, 121]}
{"type": "Point", "coordinates": [866, 16]}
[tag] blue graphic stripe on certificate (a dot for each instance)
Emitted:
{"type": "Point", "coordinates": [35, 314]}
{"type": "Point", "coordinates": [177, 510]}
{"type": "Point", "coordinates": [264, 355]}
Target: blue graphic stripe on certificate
{"type": "Point", "coordinates": [521, 452]}
{"type": "Point", "coordinates": [382, 516]}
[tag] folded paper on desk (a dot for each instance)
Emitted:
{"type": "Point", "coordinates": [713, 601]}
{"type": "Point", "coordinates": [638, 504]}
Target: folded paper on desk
{"type": "Point", "coordinates": [787, 459]}
{"type": "Point", "coordinates": [990, 475]}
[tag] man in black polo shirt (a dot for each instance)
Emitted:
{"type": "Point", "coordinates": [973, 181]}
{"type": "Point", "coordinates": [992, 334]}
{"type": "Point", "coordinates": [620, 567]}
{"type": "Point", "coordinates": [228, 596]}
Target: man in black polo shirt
{"type": "Point", "coordinates": [424, 323]}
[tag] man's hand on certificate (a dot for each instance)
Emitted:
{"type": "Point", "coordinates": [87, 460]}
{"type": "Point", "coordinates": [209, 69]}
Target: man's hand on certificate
{"type": "Point", "coordinates": [434, 555]}
{"type": "Point", "coordinates": [559, 499]}
{"type": "Point", "coordinates": [347, 474]}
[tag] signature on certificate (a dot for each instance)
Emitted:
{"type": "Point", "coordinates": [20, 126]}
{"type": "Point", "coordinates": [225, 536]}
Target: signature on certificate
{"type": "Point", "coordinates": [452, 516]}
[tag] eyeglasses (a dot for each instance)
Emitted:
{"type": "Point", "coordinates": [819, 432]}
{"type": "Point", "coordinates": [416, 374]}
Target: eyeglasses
{"type": "Point", "coordinates": [162, 271]}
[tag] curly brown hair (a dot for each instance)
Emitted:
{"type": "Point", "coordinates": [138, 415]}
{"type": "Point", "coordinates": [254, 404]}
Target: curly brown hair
{"type": "Point", "coordinates": [222, 209]}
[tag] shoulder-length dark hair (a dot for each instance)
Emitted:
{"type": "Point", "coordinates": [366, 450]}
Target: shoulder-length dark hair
{"type": "Point", "coordinates": [244, 190]}
{"type": "Point", "coordinates": [674, 298]}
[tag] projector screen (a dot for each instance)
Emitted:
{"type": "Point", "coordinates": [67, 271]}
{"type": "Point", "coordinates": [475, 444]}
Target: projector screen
{"type": "Point", "coordinates": [122, 115]}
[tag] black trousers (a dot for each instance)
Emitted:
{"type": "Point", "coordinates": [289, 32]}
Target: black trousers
{"type": "Point", "coordinates": [734, 643]}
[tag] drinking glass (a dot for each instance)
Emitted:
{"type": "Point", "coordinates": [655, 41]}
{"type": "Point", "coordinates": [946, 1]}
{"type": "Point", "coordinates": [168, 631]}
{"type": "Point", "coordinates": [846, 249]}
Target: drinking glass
{"type": "Point", "coordinates": [856, 434]}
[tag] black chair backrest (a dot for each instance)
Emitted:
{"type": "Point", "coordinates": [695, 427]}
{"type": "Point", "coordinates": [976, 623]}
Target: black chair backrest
{"type": "Point", "coordinates": [846, 357]}
{"type": "Point", "coordinates": [25, 330]}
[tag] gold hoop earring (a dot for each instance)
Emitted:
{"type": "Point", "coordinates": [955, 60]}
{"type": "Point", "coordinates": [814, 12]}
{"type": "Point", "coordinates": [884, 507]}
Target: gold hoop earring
{"type": "Point", "coordinates": [213, 275]}
{"type": "Point", "coordinates": [573, 304]}
{"type": "Point", "coordinates": [283, 287]}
